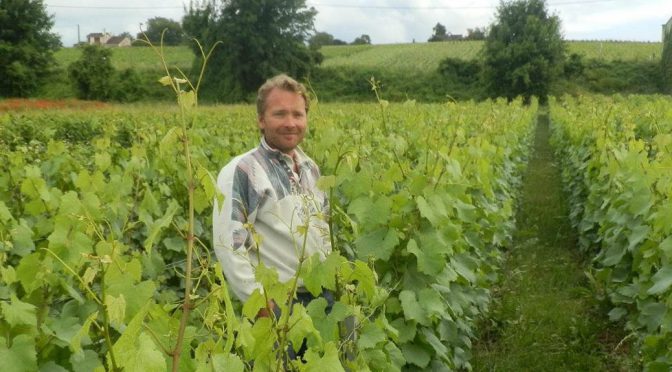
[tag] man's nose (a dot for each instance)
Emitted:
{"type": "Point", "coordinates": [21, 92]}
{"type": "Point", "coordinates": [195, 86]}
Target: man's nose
{"type": "Point", "coordinates": [291, 121]}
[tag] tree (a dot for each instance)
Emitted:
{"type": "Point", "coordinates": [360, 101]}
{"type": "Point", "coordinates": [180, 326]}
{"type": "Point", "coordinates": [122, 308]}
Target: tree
{"type": "Point", "coordinates": [364, 39]}
{"type": "Point", "coordinates": [128, 35]}
{"type": "Point", "coordinates": [320, 39]}
{"type": "Point", "coordinates": [260, 38]}
{"type": "Point", "coordinates": [92, 74]}
{"type": "Point", "coordinates": [439, 33]}
{"type": "Point", "coordinates": [524, 51]}
{"type": "Point", "coordinates": [666, 61]}
{"type": "Point", "coordinates": [156, 26]}
{"type": "Point", "coordinates": [476, 33]}
{"type": "Point", "coordinates": [26, 46]}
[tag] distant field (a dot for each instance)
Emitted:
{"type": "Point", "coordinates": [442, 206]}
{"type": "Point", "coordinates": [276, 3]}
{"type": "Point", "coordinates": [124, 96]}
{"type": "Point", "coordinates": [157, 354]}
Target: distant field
{"type": "Point", "coordinates": [139, 58]}
{"type": "Point", "coordinates": [423, 56]}
{"type": "Point", "coordinates": [621, 50]}
{"type": "Point", "coordinates": [428, 55]}
{"type": "Point", "coordinates": [412, 56]}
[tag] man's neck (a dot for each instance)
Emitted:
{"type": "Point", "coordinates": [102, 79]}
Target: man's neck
{"type": "Point", "coordinates": [291, 153]}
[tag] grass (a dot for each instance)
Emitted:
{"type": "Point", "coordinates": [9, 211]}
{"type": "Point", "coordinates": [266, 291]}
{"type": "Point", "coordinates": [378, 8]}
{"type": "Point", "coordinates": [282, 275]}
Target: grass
{"type": "Point", "coordinates": [617, 50]}
{"type": "Point", "coordinates": [138, 58]}
{"type": "Point", "coordinates": [410, 56]}
{"type": "Point", "coordinates": [424, 56]}
{"type": "Point", "coordinates": [415, 56]}
{"type": "Point", "coordinates": [546, 316]}
{"type": "Point", "coordinates": [407, 71]}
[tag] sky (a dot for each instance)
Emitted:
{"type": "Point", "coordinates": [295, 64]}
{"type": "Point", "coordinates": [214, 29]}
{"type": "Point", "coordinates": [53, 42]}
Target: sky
{"type": "Point", "coordinates": [385, 21]}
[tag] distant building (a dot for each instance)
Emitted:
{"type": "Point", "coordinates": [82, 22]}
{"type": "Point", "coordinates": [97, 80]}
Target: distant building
{"type": "Point", "coordinates": [118, 41]}
{"type": "Point", "coordinates": [98, 38]}
{"type": "Point", "coordinates": [107, 40]}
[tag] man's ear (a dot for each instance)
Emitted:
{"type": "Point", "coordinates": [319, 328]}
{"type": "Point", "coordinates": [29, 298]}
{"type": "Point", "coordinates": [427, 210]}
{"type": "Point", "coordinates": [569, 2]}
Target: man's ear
{"type": "Point", "coordinates": [260, 123]}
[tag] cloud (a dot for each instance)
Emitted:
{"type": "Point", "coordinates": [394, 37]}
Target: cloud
{"type": "Point", "coordinates": [577, 20]}
{"type": "Point", "coordinates": [389, 22]}
{"type": "Point", "coordinates": [113, 17]}
{"type": "Point", "coordinates": [385, 21]}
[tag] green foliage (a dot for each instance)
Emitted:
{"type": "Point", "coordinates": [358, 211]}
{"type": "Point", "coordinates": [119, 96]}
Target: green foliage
{"type": "Point", "coordinates": [19, 354]}
{"type": "Point", "coordinates": [418, 57]}
{"type": "Point", "coordinates": [418, 220]}
{"type": "Point", "coordinates": [94, 78]}
{"type": "Point", "coordinates": [77, 131]}
{"type": "Point", "coordinates": [615, 156]}
{"type": "Point", "coordinates": [92, 235]}
{"type": "Point", "coordinates": [478, 33]}
{"type": "Point", "coordinates": [426, 56]}
{"type": "Point", "coordinates": [524, 51]}
{"type": "Point", "coordinates": [466, 72]}
{"type": "Point", "coordinates": [347, 84]}
{"type": "Point", "coordinates": [320, 39]}
{"type": "Point", "coordinates": [26, 47]}
{"type": "Point", "coordinates": [93, 74]}
{"type": "Point", "coordinates": [20, 131]}
{"type": "Point", "coordinates": [364, 39]}
{"type": "Point", "coordinates": [544, 301]}
{"type": "Point", "coordinates": [439, 33]}
{"type": "Point", "coordinates": [130, 86]}
{"type": "Point", "coordinates": [259, 39]}
{"type": "Point", "coordinates": [666, 62]}
{"type": "Point", "coordinates": [140, 59]}
{"type": "Point", "coordinates": [610, 50]}
{"type": "Point", "coordinates": [408, 70]}
{"type": "Point", "coordinates": [162, 29]}
{"type": "Point", "coordinates": [574, 66]}
{"type": "Point", "coordinates": [609, 77]}
{"type": "Point", "coordinates": [423, 56]}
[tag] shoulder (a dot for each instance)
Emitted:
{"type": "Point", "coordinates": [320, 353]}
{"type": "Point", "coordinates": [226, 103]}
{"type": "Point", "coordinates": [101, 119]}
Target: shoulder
{"type": "Point", "coordinates": [306, 160]}
{"type": "Point", "coordinates": [240, 163]}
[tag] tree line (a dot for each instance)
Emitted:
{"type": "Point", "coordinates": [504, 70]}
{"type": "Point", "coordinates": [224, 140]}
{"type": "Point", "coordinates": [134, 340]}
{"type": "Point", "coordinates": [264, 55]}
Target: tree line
{"type": "Point", "coordinates": [666, 62]}
{"type": "Point", "coordinates": [523, 52]}
{"type": "Point", "coordinates": [440, 33]}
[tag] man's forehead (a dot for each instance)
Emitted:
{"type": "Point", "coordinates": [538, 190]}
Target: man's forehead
{"type": "Point", "coordinates": [284, 90]}
{"type": "Point", "coordinates": [272, 97]}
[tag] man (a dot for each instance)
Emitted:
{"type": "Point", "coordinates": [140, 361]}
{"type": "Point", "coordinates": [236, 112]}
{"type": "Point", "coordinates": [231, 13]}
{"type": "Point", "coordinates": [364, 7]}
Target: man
{"type": "Point", "coordinates": [271, 191]}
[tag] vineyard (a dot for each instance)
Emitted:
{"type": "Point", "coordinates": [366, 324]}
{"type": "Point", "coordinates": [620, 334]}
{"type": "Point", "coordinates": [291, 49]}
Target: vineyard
{"type": "Point", "coordinates": [94, 219]}
{"type": "Point", "coordinates": [616, 156]}
{"type": "Point", "coordinates": [305, 204]}
{"type": "Point", "coordinates": [427, 56]}
{"type": "Point", "coordinates": [413, 57]}
{"type": "Point", "coordinates": [95, 264]}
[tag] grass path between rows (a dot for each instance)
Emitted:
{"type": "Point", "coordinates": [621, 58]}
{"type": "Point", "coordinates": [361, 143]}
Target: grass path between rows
{"type": "Point", "coordinates": [546, 316]}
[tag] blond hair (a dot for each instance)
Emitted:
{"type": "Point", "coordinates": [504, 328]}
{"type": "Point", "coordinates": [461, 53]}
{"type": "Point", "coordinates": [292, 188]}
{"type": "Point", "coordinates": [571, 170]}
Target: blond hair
{"type": "Point", "coordinates": [283, 82]}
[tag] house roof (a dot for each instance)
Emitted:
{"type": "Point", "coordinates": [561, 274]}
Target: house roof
{"type": "Point", "coordinates": [95, 34]}
{"type": "Point", "coordinates": [115, 40]}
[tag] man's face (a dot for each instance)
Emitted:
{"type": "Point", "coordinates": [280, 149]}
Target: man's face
{"type": "Point", "coordinates": [284, 120]}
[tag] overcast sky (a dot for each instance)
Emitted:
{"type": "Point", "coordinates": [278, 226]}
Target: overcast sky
{"type": "Point", "coordinates": [385, 21]}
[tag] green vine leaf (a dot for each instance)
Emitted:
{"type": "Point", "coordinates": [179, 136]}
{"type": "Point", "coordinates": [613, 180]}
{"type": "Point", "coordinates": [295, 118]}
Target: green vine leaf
{"type": "Point", "coordinates": [17, 312]}
{"type": "Point", "coordinates": [327, 362]}
{"type": "Point", "coordinates": [21, 356]}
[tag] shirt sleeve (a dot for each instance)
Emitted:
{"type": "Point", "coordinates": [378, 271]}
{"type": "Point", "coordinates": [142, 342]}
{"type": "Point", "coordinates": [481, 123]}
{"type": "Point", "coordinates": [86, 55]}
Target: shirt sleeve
{"type": "Point", "coordinates": [232, 242]}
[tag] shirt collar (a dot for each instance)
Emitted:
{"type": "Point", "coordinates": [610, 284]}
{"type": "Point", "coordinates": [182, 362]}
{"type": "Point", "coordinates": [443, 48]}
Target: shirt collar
{"type": "Point", "coordinates": [299, 156]}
